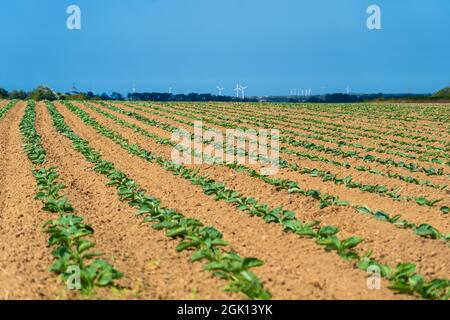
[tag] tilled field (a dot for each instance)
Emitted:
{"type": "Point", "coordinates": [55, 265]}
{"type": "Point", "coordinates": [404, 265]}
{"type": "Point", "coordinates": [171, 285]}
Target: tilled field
{"type": "Point", "coordinates": [359, 208]}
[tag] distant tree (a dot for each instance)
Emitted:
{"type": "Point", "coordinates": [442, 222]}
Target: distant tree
{"type": "Point", "coordinates": [105, 97]}
{"type": "Point", "coordinates": [157, 96]}
{"type": "Point", "coordinates": [442, 94]}
{"type": "Point", "coordinates": [43, 93]}
{"type": "Point", "coordinates": [193, 97]}
{"type": "Point", "coordinates": [116, 96]}
{"type": "Point", "coordinates": [18, 94]}
{"type": "Point", "coordinates": [340, 97]}
{"type": "Point", "coordinates": [3, 93]}
{"type": "Point", "coordinates": [76, 96]}
{"type": "Point", "coordinates": [314, 100]}
{"type": "Point", "coordinates": [91, 96]}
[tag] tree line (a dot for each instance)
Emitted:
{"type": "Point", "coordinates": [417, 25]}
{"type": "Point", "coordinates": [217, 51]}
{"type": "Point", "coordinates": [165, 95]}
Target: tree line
{"type": "Point", "coordinates": [46, 93]}
{"type": "Point", "coordinates": [40, 93]}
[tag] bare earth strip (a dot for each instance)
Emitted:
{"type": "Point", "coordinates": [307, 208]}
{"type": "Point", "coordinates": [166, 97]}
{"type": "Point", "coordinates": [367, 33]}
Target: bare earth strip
{"type": "Point", "coordinates": [24, 256]}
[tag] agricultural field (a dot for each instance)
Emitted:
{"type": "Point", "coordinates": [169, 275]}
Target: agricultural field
{"type": "Point", "coordinates": [92, 205]}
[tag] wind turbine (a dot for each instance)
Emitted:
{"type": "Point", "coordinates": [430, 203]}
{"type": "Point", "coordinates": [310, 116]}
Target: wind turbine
{"type": "Point", "coordinates": [134, 88]}
{"type": "Point", "coordinates": [74, 88]}
{"type": "Point", "coordinates": [170, 90]}
{"type": "Point", "coordinates": [237, 89]}
{"type": "Point", "coordinates": [220, 89]}
{"type": "Point", "coordinates": [243, 91]}
{"type": "Point", "coordinates": [348, 89]}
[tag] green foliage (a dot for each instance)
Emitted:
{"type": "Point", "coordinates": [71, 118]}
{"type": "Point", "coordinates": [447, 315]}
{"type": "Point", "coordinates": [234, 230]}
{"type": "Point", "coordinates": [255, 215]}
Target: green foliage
{"type": "Point", "coordinates": [18, 94]}
{"type": "Point", "coordinates": [423, 230]}
{"type": "Point", "coordinates": [33, 147]}
{"type": "Point", "coordinates": [427, 231]}
{"type": "Point", "coordinates": [443, 93]}
{"type": "Point", "coordinates": [3, 93]}
{"type": "Point", "coordinates": [43, 93]}
{"type": "Point", "coordinates": [326, 236]}
{"type": "Point", "coordinates": [68, 235]}
{"type": "Point", "coordinates": [404, 279]}
{"type": "Point", "coordinates": [48, 191]}
{"type": "Point", "coordinates": [6, 108]}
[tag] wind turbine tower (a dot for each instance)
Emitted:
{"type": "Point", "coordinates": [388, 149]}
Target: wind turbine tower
{"type": "Point", "coordinates": [74, 89]}
{"type": "Point", "coordinates": [243, 91]}
{"type": "Point", "coordinates": [220, 89]}
{"type": "Point", "coordinates": [237, 89]}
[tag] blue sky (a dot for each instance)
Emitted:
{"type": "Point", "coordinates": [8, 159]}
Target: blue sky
{"type": "Point", "coordinates": [194, 45]}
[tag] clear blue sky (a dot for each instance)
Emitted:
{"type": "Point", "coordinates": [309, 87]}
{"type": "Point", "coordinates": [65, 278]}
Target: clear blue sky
{"type": "Point", "coordinates": [195, 45]}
